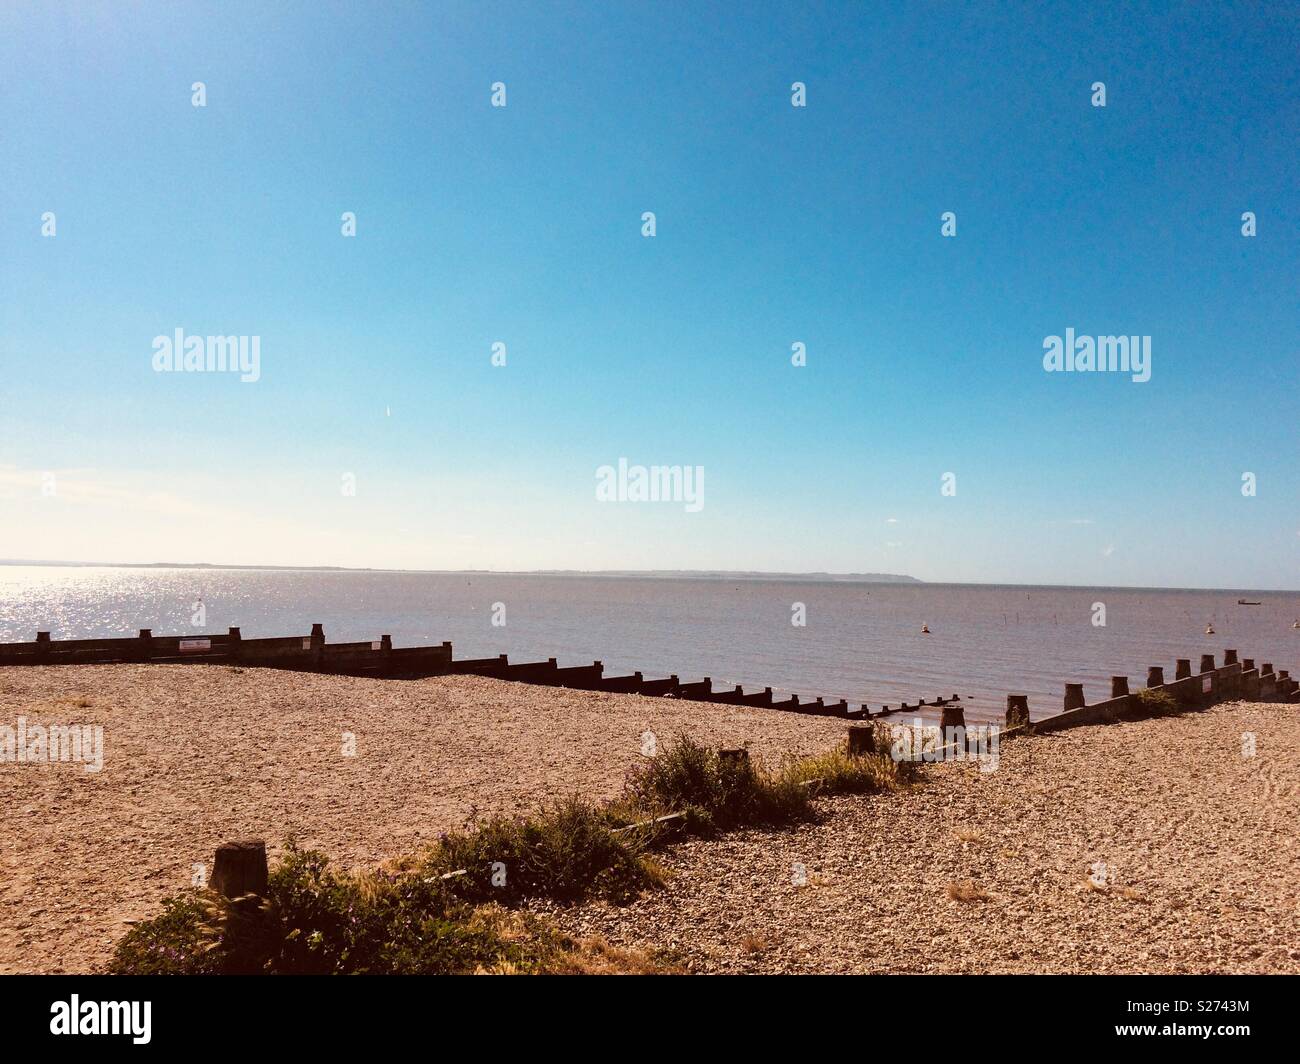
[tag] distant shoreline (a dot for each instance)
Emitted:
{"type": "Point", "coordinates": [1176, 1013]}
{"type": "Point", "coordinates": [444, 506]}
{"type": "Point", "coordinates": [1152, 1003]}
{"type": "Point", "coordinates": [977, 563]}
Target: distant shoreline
{"type": "Point", "coordinates": [665, 574]}
{"type": "Point", "coordinates": [755, 576]}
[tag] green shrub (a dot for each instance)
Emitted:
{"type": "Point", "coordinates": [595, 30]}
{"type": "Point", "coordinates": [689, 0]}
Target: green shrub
{"type": "Point", "coordinates": [316, 922]}
{"type": "Point", "coordinates": [1156, 702]}
{"type": "Point", "coordinates": [179, 942]}
{"type": "Point", "coordinates": [837, 773]}
{"type": "Point", "coordinates": [716, 794]}
{"type": "Point", "coordinates": [567, 852]}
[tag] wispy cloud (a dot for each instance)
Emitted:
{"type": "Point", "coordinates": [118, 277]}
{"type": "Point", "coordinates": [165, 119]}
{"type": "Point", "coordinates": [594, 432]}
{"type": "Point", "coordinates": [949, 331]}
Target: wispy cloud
{"type": "Point", "coordinates": [87, 487]}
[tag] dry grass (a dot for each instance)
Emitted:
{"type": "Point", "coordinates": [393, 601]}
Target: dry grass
{"type": "Point", "coordinates": [595, 956]}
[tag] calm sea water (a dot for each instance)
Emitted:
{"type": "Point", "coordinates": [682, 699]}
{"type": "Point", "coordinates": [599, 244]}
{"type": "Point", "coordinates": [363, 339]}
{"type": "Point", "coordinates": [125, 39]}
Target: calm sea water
{"type": "Point", "coordinates": [861, 641]}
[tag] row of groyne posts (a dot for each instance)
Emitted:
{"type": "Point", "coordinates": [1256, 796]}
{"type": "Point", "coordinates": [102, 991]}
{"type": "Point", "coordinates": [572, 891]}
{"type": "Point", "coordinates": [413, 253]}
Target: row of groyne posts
{"type": "Point", "coordinates": [1233, 680]}
{"type": "Point", "coordinates": [380, 658]}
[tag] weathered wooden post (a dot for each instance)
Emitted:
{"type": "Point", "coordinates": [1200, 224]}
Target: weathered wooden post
{"type": "Point", "coordinates": [240, 868]}
{"type": "Point", "coordinates": [862, 740]}
{"type": "Point", "coordinates": [234, 644]}
{"type": "Point", "coordinates": [1074, 696]}
{"type": "Point", "coordinates": [1207, 663]}
{"type": "Point", "coordinates": [145, 651]}
{"type": "Point", "coordinates": [1230, 657]}
{"type": "Point", "coordinates": [952, 717]}
{"type": "Point", "coordinates": [1249, 680]}
{"type": "Point", "coordinates": [1155, 676]}
{"type": "Point", "coordinates": [1118, 686]}
{"type": "Point", "coordinates": [42, 646]}
{"type": "Point", "coordinates": [1017, 711]}
{"type": "Point", "coordinates": [1183, 669]}
{"type": "Point", "coordinates": [1266, 669]}
{"type": "Point", "coordinates": [385, 654]}
{"type": "Point", "coordinates": [317, 645]}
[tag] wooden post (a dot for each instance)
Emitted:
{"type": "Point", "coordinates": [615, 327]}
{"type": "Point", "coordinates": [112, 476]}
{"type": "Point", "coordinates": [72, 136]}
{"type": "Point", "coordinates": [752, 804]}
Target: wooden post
{"type": "Point", "coordinates": [952, 718]}
{"type": "Point", "coordinates": [234, 644]}
{"type": "Point", "coordinates": [1183, 669]}
{"type": "Point", "coordinates": [1207, 663]}
{"type": "Point", "coordinates": [1230, 657]}
{"type": "Point", "coordinates": [1266, 669]}
{"type": "Point", "coordinates": [1017, 711]}
{"type": "Point", "coordinates": [1074, 696]}
{"type": "Point", "coordinates": [1247, 664]}
{"type": "Point", "coordinates": [317, 645]}
{"type": "Point", "coordinates": [862, 740]}
{"type": "Point", "coordinates": [385, 654]}
{"type": "Point", "coordinates": [1155, 676]}
{"type": "Point", "coordinates": [1118, 686]}
{"type": "Point", "coordinates": [42, 645]}
{"type": "Point", "coordinates": [240, 868]}
{"type": "Point", "coordinates": [145, 653]}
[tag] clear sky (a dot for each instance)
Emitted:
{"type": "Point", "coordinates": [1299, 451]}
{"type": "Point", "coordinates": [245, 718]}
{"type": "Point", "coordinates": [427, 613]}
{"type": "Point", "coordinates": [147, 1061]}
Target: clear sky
{"type": "Point", "coordinates": [774, 225]}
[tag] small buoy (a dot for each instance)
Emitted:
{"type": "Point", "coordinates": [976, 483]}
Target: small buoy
{"type": "Point", "coordinates": [925, 629]}
{"type": "Point", "coordinates": [1209, 629]}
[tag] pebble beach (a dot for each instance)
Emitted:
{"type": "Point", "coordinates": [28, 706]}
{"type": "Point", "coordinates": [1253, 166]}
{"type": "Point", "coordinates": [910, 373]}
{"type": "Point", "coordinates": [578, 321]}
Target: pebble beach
{"type": "Point", "coordinates": [1148, 846]}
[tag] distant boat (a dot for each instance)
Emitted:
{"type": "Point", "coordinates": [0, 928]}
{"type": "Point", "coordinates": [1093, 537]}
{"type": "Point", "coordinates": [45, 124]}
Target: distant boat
{"type": "Point", "coordinates": [1296, 625]}
{"type": "Point", "coordinates": [925, 629]}
{"type": "Point", "coordinates": [1244, 602]}
{"type": "Point", "coordinates": [1209, 629]}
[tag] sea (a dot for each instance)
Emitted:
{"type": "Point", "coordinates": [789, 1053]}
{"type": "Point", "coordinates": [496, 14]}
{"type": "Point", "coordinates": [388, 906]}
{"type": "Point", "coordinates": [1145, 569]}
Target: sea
{"type": "Point", "coordinates": [863, 642]}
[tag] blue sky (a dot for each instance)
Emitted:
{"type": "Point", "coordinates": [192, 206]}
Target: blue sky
{"type": "Point", "coordinates": [775, 224]}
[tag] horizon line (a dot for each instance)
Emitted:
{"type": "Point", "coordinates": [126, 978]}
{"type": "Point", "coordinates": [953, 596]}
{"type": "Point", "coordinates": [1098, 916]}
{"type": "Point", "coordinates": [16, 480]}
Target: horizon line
{"type": "Point", "coordinates": [748, 574]}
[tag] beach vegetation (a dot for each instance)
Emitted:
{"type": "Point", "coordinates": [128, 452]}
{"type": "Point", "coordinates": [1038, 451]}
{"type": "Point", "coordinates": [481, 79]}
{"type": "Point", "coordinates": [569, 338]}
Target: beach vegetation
{"type": "Point", "coordinates": [316, 921]}
{"type": "Point", "coordinates": [1156, 702]}
{"type": "Point", "coordinates": [459, 905]}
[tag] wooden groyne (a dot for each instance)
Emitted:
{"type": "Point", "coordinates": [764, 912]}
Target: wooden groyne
{"type": "Point", "coordinates": [1234, 680]}
{"type": "Point", "coordinates": [379, 658]}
